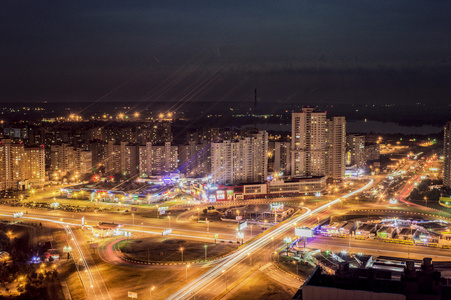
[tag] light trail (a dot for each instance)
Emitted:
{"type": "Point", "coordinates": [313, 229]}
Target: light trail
{"type": "Point", "coordinates": [201, 282]}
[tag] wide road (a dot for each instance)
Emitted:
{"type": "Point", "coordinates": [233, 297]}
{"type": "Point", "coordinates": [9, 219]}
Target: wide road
{"type": "Point", "coordinates": [204, 283]}
{"type": "Point", "coordinates": [377, 247]}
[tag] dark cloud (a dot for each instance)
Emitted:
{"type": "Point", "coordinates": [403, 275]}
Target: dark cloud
{"type": "Point", "coordinates": [337, 51]}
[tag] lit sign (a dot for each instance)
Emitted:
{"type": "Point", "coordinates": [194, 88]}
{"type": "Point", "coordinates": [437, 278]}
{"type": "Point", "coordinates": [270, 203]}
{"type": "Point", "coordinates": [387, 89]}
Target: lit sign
{"type": "Point", "coordinates": [229, 194]}
{"type": "Point", "coordinates": [220, 195]}
{"type": "Point", "coordinates": [303, 232]}
{"type": "Point", "coordinates": [242, 225]}
{"type": "Point", "coordinates": [276, 206]}
{"type": "Point", "coordinates": [287, 240]}
{"type": "Point", "coordinates": [167, 231]}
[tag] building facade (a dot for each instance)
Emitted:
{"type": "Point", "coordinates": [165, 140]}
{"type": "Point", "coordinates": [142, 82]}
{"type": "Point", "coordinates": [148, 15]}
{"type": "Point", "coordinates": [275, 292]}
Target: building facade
{"type": "Point", "coordinates": [241, 161]}
{"type": "Point", "coordinates": [157, 160]}
{"type": "Point", "coordinates": [355, 150]}
{"type": "Point", "coordinates": [21, 167]}
{"type": "Point", "coordinates": [318, 145]}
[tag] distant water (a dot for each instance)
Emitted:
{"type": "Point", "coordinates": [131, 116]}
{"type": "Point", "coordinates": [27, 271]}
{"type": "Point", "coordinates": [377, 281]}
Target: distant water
{"type": "Point", "coordinates": [389, 127]}
{"type": "Point", "coordinates": [363, 127]}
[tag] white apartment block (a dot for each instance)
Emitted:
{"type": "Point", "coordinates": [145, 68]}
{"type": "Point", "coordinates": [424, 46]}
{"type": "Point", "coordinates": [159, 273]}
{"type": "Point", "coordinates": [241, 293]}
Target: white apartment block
{"type": "Point", "coordinates": [318, 144]}
{"type": "Point", "coordinates": [336, 148]}
{"type": "Point", "coordinates": [355, 146]}
{"type": "Point", "coordinates": [308, 143]}
{"type": "Point", "coordinates": [65, 158]}
{"type": "Point", "coordinates": [241, 161]}
{"type": "Point", "coordinates": [21, 167]}
{"type": "Point", "coordinates": [157, 160]}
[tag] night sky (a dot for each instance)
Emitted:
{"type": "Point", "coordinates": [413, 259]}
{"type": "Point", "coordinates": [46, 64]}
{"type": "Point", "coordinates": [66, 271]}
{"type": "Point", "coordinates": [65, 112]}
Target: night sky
{"type": "Point", "coordinates": [323, 51]}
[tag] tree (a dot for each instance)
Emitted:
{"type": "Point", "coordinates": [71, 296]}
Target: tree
{"type": "Point", "coordinates": [4, 241]}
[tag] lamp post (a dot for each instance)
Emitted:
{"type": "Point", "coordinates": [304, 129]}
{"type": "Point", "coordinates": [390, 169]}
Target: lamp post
{"type": "Point", "coordinates": [297, 266]}
{"type": "Point", "coordinates": [181, 249]}
{"type": "Point", "coordinates": [186, 272]}
{"type": "Point", "coordinates": [150, 290]}
{"type": "Point", "coordinates": [198, 215]}
{"type": "Point", "coordinates": [251, 231]}
{"type": "Point", "coordinates": [205, 246]}
{"type": "Point", "coordinates": [250, 259]}
{"type": "Point", "coordinates": [169, 218]}
{"type": "Point", "coordinates": [133, 215]}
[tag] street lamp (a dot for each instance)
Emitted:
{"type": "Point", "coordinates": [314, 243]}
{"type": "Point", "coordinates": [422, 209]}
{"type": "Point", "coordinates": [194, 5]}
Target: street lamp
{"type": "Point", "coordinates": [181, 249]}
{"type": "Point", "coordinates": [205, 246]}
{"type": "Point", "coordinates": [250, 259]}
{"type": "Point", "coordinates": [198, 216]}
{"type": "Point", "coordinates": [186, 272]}
{"type": "Point", "coordinates": [151, 289]}
{"type": "Point", "coordinates": [169, 218]}
{"type": "Point", "coordinates": [133, 215]}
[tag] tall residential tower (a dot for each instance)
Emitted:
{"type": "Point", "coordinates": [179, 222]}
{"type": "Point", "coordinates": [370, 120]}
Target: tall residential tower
{"type": "Point", "coordinates": [318, 144]}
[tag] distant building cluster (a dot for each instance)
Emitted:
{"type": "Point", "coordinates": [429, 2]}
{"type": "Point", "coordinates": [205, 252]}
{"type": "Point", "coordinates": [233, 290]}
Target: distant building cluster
{"type": "Point", "coordinates": [318, 149]}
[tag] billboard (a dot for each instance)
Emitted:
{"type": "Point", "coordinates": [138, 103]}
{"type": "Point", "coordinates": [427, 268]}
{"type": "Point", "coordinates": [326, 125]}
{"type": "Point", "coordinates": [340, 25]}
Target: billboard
{"type": "Point", "coordinates": [229, 195]}
{"type": "Point", "coordinates": [303, 232]}
{"type": "Point", "coordinates": [166, 231]}
{"type": "Point", "coordinates": [220, 195]}
{"type": "Point", "coordinates": [276, 206]}
{"type": "Point", "coordinates": [242, 225]}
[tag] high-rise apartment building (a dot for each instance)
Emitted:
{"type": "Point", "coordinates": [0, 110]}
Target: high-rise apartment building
{"type": "Point", "coordinates": [21, 167]}
{"type": "Point", "coordinates": [157, 160]}
{"type": "Point", "coordinates": [194, 159]}
{"type": "Point", "coordinates": [447, 155]}
{"type": "Point", "coordinates": [282, 160]}
{"type": "Point", "coordinates": [308, 143]}
{"type": "Point", "coordinates": [336, 148]}
{"type": "Point", "coordinates": [241, 161]}
{"type": "Point", "coordinates": [34, 163]}
{"type": "Point", "coordinates": [121, 158]}
{"type": "Point", "coordinates": [65, 158]}
{"type": "Point", "coordinates": [355, 150]}
{"type": "Point", "coordinates": [317, 144]}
